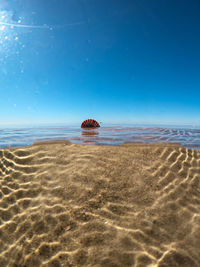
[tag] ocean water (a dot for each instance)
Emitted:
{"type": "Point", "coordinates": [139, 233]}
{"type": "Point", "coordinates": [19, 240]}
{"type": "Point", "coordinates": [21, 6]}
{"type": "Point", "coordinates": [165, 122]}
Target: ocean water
{"type": "Point", "coordinates": [105, 135]}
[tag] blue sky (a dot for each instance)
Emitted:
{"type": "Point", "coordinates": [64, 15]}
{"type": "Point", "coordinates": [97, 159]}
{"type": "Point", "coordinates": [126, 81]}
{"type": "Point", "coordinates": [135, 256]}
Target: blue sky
{"type": "Point", "coordinates": [135, 61]}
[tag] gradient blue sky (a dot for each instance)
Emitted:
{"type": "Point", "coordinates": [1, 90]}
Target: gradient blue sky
{"type": "Point", "coordinates": [135, 61]}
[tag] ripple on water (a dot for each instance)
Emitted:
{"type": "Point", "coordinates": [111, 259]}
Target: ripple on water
{"type": "Point", "coordinates": [114, 135]}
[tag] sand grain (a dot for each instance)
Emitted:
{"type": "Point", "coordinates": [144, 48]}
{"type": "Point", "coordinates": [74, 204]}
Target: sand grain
{"type": "Point", "coordinates": [63, 204]}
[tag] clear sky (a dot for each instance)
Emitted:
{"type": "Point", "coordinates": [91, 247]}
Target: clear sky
{"type": "Point", "coordinates": [135, 61]}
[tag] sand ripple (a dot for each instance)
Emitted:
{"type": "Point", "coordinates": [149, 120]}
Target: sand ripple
{"type": "Point", "coordinates": [63, 204]}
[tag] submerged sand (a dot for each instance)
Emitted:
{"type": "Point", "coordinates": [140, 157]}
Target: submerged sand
{"type": "Point", "coordinates": [63, 204]}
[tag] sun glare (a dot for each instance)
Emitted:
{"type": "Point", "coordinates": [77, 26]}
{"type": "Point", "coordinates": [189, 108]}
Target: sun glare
{"type": "Point", "coordinates": [8, 34]}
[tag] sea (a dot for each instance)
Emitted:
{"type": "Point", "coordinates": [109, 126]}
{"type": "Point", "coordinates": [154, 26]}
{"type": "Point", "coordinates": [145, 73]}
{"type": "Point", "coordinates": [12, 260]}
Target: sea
{"type": "Point", "coordinates": [107, 134]}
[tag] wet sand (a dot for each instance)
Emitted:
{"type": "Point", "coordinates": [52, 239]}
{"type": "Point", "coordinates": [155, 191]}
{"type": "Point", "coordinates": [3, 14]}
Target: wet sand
{"type": "Point", "coordinates": [63, 204]}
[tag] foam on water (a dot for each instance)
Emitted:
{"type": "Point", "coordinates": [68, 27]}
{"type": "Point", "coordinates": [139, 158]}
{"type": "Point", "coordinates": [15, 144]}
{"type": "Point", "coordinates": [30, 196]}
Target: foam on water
{"type": "Point", "coordinates": [106, 135]}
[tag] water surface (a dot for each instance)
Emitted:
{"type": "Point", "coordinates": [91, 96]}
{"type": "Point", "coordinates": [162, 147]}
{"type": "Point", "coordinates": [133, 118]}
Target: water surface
{"type": "Point", "coordinates": [105, 135]}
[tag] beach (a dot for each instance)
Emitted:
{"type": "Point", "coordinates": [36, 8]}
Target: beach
{"type": "Point", "coordinates": [64, 204]}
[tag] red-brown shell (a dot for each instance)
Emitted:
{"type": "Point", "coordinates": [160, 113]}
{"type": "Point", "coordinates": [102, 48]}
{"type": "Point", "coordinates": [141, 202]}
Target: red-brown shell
{"type": "Point", "coordinates": [89, 123]}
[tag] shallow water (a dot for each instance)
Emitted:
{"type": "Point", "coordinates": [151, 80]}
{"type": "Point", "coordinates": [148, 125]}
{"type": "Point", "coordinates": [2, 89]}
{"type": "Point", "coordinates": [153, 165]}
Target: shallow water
{"type": "Point", "coordinates": [105, 135]}
{"type": "Point", "coordinates": [67, 206]}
